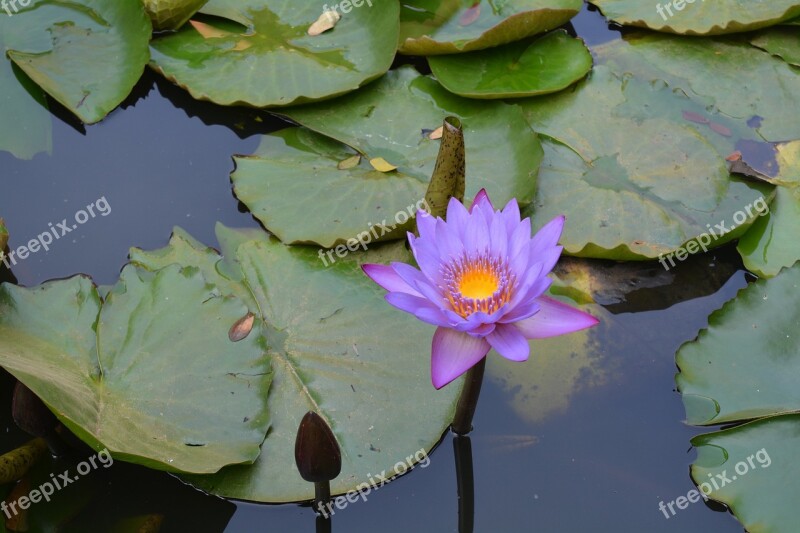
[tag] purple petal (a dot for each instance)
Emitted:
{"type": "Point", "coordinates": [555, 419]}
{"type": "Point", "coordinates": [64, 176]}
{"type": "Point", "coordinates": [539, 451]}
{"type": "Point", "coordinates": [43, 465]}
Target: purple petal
{"type": "Point", "coordinates": [419, 307]}
{"type": "Point", "coordinates": [448, 242]}
{"type": "Point", "coordinates": [386, 277]}
{"type": "Point", "coordinates": [498, 235]}
{"type": "Point", "coordinates": [453, 353]}
{"type": "Point", "coordinates": [521, 311]}
{"type": "Point", "coordinates": [511, 216]}
{"type": "Point", "coordinates": [548, 258]}
{"type": "Point", "coordinates": [426, 225]}
{"type": "Point", "coordinates": [457, 216]}
{"type": "Point", "coordinates": [480, 198]}
{"type": "Point", "coordinates": [553, 319]}
{"type": "Point", "coordinates": [548, 236]}
{"type": "Point", "coordinates": [509, 342]}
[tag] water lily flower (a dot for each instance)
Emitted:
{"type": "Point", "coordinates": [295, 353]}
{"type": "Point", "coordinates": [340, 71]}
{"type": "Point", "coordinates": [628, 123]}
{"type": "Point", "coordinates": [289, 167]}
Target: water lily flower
{"type": "Point", "coordinates": [481, 280]}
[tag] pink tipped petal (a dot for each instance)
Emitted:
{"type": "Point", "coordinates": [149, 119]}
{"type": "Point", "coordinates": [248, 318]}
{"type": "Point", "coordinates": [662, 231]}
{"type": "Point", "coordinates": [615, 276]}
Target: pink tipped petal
{"type": "Point", "coordinates": [548, 236]}
{"type": "Point", "coordinates": [553, 319]}
{"type": "Point", "coordinates": [454, 353]}
{"type": "Point", "coordinates": [386, 277]}
{"type": "Point", "coordinates": [509, 342]}
{"type": "Point", "coordinates": [480, 198]}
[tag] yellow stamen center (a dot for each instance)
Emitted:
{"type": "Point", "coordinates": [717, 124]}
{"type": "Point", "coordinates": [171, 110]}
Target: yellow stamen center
{"type": "Point", "coordinates": [478, 283]}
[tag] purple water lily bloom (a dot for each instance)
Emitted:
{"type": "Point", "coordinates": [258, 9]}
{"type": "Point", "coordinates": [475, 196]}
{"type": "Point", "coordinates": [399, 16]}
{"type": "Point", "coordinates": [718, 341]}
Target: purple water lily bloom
{"type": "Point", "coordinates": [481, 281]}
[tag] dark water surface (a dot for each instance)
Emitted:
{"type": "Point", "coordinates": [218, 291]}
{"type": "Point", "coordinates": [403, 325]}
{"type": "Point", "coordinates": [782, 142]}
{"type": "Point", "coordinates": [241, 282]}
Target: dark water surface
{"type": "Point", "coordinates": [601, 462]}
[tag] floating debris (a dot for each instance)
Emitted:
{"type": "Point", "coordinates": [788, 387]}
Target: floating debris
{"type": "Point", "coordinates": [242, 328]}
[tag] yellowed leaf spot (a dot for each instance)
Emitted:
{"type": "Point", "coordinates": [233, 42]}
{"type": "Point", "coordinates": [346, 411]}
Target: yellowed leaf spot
{"type": "Point", "coordinates": [325, 22]}
{"type": "Point", "coordinates": [209, 32]}
{"type": "Point", "coordinates": [350, 162]}
{"type": "Point", "coordinates": [437, 133]}
{"type": "Point", "coordinates": [243, 45]}
{"type": "Point", "coordinates": [381, 165]}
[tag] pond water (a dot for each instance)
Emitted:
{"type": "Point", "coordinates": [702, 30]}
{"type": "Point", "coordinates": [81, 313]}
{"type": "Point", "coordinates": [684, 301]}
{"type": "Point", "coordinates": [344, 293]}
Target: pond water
{"type": "Point", "coordinates": [600, 458]}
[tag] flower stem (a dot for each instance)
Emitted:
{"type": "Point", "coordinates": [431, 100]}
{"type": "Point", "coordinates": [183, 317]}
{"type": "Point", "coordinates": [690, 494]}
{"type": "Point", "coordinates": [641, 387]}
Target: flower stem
{"type": "Point", "coordinates": [462, 447]}
{"type": "Point", "coordinates": [322, 496]}
{"type": "Point", "coordinates": [462, 422]}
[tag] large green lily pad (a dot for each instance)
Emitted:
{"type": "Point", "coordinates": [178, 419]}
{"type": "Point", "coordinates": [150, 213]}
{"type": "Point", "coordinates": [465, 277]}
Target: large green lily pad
{"type": "Point", "coordinates": [699, 17]}
{"type": "Point", "coordinates": [149, 373]}
{"type": "Point", "coordinates": [754, 468]}
{"type": "Point", "coordinates": [451, 26]}
{"type": "Point", "coordinates": [87, 54]}
{"type": "Point", "coordinates": [393, 117]}
{"type": "Point", "coordinates": [698, 68]}
{"type": "Point", "coordinates": [336, 348]}
{"type": "Point", "coordinates": [743, 367]}
{"type": "Point", "coordinates": [296, 166]}
{"type": "Point", "coordinates": [745, 364]}
{"type": "Point", "coordinates": [630, 188]}
{"type": "Point", "coordinates": [171, 14]}
{"type": "Point", "coordinates": [258, 52]}
{"type": "Point", "coordinates": [546, 65]}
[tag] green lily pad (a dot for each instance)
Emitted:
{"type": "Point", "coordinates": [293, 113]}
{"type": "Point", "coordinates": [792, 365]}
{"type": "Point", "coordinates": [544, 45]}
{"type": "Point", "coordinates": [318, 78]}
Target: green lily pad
{"type": "Point", "coordinates": [699, 17]}
{"type": "Point", "coordinates": [745, 364]}
{"type": "Point", "coordinates": [781, 42]}
{"type": "Point", "coordinates": [753, 470]}
{"type": "Point", "coordinates": [258, 52]}
{"type": "Point", "coordinates": [296, 166]}
{"type": "Point", "coordinates": [772, 244]}
{"type": "Point", "coordinates": [171, 14]}
{"type": "Point", "coordinates": [697, 68]}
{"type": "Point", "coordinates": [23, 103]}
{"type": "Point", "coordinates": [546, 65]}
{"type": "Point", "coordinates": [429, 27]}
{"type": "Point", "coordinates": [392, 119]}
{"type": "Point", "coordinates": [743, 367]}
{"type": "Point", "coordinates": [632, 189]}
{"type": "Point", "coordinates": [87, 54]}
{"type": "Point", "coordinates": [337, 349]}
{"type": "Point", "coordinates": [149, 373]}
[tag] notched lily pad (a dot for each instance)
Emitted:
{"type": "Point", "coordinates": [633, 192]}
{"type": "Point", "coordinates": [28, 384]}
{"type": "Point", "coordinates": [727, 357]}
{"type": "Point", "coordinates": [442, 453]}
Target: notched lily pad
{"type": "Point", "coordinates": [259, 52]}
{"type": "Point", "coordinates": [431, 27]}
{"type": "Point", "coordinates": [631, 188]}
{"type": "Point", "coordinates": [337, 349]}
{"type": "Point", "coordinates": [386, 118]}
{"type": "Point", "coordinates": [87, 54]}
{"type": "Point", "coordinates": [146, 370]}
